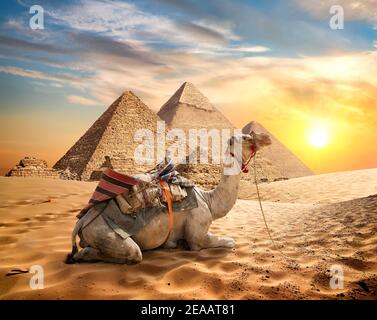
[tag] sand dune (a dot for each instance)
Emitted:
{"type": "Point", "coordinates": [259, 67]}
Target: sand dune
{"type": "Point", "coordinates": [318, 189]}
{"type": "Point", "coordinates": [317, 222]}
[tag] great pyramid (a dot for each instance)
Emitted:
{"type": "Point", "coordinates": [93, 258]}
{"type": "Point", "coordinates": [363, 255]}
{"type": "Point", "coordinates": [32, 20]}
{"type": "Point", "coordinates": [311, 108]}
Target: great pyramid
{"type": "Point", "coordinates": [109, 142]}
{"type": "Point", "coordinates": [188, 108]}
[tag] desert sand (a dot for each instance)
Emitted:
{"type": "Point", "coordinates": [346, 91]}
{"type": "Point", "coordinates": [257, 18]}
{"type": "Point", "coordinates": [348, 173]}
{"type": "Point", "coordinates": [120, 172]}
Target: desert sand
{"type": "Point", "coordinates": [317, 222]}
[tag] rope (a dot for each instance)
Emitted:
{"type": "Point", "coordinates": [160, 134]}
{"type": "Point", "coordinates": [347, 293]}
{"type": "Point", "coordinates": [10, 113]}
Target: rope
{"type": "Point", "coordinates": [263, 215]}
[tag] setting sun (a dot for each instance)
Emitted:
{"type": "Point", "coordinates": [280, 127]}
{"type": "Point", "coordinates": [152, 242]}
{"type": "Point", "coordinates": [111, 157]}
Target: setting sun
{"type": "Point", "coordinates": [319, 137]}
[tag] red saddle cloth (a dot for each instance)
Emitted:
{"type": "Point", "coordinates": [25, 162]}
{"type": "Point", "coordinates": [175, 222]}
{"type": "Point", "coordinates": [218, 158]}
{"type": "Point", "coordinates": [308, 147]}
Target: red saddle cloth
{"type": "Point", "coordinates": [111, 184]}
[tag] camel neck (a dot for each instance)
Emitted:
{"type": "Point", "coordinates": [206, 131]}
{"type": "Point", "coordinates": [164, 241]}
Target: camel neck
{"type": "Point", "coordinates": [222, 199]}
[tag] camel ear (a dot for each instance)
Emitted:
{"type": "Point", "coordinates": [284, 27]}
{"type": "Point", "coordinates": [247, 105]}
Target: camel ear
{"type": "Point", "coordinates": [231, 141]}
{"type": "Point", "coordinates": [248, 128]}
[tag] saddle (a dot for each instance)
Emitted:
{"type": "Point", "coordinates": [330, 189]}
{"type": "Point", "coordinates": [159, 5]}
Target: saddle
{"type": "Point", "coordinates": [146, 195]}
{"type": "Point", "coordinates": [135, 193]}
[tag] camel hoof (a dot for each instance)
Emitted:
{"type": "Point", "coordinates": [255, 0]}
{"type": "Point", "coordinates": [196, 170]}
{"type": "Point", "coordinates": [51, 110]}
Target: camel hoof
{"type": "Point", "coordinates": [135, 259]}
{"type": "Point", "coordinates": [69, 259]}
{"type": "Point", "coordinates": [87, 254]}
{"type": "Point", "coordinates": [170, 245]}
{"type": "Point", "coordinates": [229, 243]}
{"type": "Point", "coordinates": [194, 247]}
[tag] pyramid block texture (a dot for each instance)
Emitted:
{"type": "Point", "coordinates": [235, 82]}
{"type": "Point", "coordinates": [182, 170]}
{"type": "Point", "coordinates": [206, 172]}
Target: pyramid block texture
{"type": "Point", "coordinates": [30, 167]}
{"type": "Point", "coordinates": [276, 162]}
{"type": "Point", "coordinates": [188, 108]}
{"type": "Point", "coordinates": [109, 142]}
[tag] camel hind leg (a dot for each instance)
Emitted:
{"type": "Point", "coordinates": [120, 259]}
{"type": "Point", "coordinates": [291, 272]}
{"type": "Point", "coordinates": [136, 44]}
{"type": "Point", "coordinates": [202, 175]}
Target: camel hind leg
{"type": "Point", "coordinates": [105, 245]}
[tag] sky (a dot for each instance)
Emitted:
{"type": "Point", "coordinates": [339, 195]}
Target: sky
{"type": "Point", "coordinates": [277, 62]}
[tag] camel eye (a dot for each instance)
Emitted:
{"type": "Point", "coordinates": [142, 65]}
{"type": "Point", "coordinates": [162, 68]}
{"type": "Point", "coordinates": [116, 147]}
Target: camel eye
{"type": "Point", "coordinates": [246, 138]}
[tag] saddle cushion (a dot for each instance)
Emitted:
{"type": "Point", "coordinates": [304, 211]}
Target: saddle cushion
{"type": "Point", "coordinates": [132, 223]}
{"type": "Point", "coordinates": [144, 196]}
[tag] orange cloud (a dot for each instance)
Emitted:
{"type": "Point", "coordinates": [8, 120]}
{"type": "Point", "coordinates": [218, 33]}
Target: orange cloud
{"type": "Point", "coordinates": [285, 94]}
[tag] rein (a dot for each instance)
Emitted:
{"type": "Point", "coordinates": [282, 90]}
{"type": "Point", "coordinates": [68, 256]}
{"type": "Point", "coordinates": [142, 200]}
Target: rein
{"type": "Point", "coordinates": [261, 209]}
{"type": "Point", "coordinates": [244, 169]}
{"type": "Point", "coordinates": [253, 151]}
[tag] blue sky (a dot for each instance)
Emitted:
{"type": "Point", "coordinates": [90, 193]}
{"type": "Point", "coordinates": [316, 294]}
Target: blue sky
{"type": "Point", "coordinates": [144, 33]}
{"type": "Point", "coordinates": [91, 51]}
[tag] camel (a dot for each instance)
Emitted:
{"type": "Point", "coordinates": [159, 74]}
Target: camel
{"type": "Point", "coordinates": [100, 243]}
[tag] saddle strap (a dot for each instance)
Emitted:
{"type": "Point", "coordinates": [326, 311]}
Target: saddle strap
{"type": "Point", "coordinates": [166, 189]}
{"type": "Point", "coordinates": [118, 230]}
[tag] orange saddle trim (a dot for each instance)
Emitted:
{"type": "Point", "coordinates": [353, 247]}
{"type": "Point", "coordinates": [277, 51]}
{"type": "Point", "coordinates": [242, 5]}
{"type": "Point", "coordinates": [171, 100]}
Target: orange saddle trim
{"type": "Point", "coordinates": [166, 189]}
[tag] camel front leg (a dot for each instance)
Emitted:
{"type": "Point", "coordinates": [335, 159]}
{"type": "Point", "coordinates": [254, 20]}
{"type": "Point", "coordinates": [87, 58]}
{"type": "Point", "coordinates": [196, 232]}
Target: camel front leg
{"type": "Point", "coordinates": [170, 244]}
{"type": "Point", "coordinates": [196, 231]}
{"type": "Point", "coordinates": [212, 241]}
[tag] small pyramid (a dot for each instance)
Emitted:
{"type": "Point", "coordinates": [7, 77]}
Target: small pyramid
{"type": "Point", "coordinates": [31, 167]}
{"type": "Point", "coordinates": [276, 161]}
{"type": "Point", "coordinates": [110, 140]}
{"type": "Point", "coordinates": [188, 108]}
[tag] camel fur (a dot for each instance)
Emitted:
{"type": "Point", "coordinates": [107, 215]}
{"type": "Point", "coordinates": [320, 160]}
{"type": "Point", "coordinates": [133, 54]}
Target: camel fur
{"type": "Point", "coordinates": [100, 243]}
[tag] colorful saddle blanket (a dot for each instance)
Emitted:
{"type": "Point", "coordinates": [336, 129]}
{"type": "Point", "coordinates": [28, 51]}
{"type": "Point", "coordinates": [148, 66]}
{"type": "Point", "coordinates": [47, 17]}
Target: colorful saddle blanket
{"type": "Point", "coordinates": [113, 183]}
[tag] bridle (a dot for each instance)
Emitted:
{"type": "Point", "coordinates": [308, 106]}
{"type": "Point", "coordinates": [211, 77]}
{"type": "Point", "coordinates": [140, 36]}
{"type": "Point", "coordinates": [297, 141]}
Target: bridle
{"type": "Point", "coordinates": [253, 151]}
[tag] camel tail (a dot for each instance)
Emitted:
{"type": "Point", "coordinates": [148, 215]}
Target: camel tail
{"type": "Point", "coordinates": [70, 257]}
{"type": "Point", "coordinates": [84, 220]}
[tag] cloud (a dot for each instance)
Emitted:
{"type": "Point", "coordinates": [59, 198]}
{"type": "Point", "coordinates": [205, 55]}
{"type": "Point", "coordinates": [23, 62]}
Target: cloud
{"type": "Point", "coordinates": [19, 44]}
{"type": "Point", "coordinates": [253, 49]}
{"type": "Point", "coordinates": [81, 100]}
{"type": "Point", "coordinates": [203, 32]}
{"type": "Point", "coordinates": [125, 21]}
{"type": "Point", "coordinates": [33, 74]}
{"type": "Point", "coordinates": [22, 27]}
{"type": "Point", "coordinates": [183, 6]}
{"type": "Point", "coordinates": [115, 43]}
{"type": "Point", "coordinates": [110, 48]}
{"type": "Point", "coordinates": [353, 9]}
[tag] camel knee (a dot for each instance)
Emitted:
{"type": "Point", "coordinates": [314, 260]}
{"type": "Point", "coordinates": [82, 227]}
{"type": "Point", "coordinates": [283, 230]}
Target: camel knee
{"type": "Point", "coordinates": [132, 252]}
{"type": "Point", "coordinates": [134, 258]}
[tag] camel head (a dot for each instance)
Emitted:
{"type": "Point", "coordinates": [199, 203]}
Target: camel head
{"type": "Point", "coordinates": [251, 140]}
{"type": "Point", "coordinates": [259, 139]}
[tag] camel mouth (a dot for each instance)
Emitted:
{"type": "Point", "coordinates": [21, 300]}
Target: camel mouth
{"type": "Point", "coordinates": [268, 141]}
{"type": "Point", "coordinates": [263, 139]}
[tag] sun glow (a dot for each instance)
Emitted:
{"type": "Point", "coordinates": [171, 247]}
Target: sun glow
{"type": "Point", "coordinates": [319, 137]}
